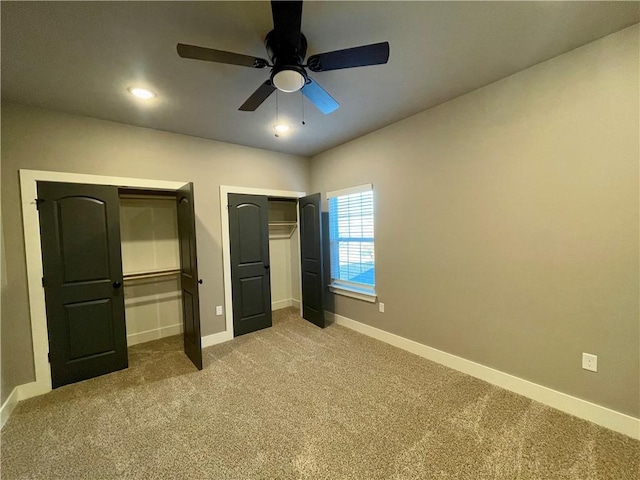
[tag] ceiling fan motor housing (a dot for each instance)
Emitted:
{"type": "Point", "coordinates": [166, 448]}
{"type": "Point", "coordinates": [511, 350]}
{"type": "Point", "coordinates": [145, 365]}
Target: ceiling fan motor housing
{"type": "Point", "coordinates": [288, 74]}
{"type": "Point", "coordinates": [282, 53]}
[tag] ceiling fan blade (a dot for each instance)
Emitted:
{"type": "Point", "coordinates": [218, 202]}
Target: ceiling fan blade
{"type": "Point", "coordinates": [374, 54]}
{"type": "Point", "coordinates": [219, 56]}
{"type": "Point", "coordinates": [319, 97]}
{"type": "Point", "coordinates": [287, 21]}
{"type": "Point", "coordinates": [257, 97]}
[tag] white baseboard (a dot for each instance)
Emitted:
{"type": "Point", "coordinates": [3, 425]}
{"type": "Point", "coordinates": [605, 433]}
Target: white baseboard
{"type": "Point", "coordinates": [216, 338]}
{"type": "Point", "coordinates": [222, 337]}
{"type": "Point", "coordinates": [592, 412]}
{"type": "Point", "coordinates": [155, 334]}
{"type": "Point", "coordinates": [290, 302]}
{"type": "Point", "coordinates": [21, 392]}
{"type": "Point", "coordinates": [8, 406]}
{"type": "Point", "coordinates": [32, 389]}
{"type": "Point", "coordinates": [280, 304]}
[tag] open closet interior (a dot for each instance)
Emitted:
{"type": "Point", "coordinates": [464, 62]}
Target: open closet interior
{"type": "Point", "coordinates": [102, 247]}
{"type": "Point", "coordinates": [284, 253]}
{"type": "Point", "coordinates": [275, 255]}
{"type": "Point", "coordinates": [151, 266]}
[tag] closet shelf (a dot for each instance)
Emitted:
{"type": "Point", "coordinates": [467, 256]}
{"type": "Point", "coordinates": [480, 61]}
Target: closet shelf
{"type": "Point", "coordinates": [153, 274]}
{"type": "Point", "coordinates": [282, 229]}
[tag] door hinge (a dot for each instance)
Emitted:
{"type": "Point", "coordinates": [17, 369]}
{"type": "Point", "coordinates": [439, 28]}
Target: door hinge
{"type": "Point", "coordinates": [49, 357]}
{"type": "Point", "coordinates": [43, 281]}
{"type": "Point", "coordinates": [38, 202]}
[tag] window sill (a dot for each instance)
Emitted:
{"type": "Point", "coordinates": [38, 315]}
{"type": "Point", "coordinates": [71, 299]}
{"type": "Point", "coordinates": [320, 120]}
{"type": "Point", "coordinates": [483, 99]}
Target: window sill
{"type": "Point", "coordinates": [356, 293]}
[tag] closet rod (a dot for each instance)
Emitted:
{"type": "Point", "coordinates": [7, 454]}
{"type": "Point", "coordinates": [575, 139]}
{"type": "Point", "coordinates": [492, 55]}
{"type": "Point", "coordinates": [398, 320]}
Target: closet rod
{"type": "Point", "coordinates": [159, 273]}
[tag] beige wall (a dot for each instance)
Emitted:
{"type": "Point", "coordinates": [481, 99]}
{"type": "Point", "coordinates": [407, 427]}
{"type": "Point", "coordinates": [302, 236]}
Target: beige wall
{"type": "Point", "coordinates": [507, 223]}
{"type": "Point", "coordinates": [4, 374]}
{"type": "Point", "coordinates": [46, 140]}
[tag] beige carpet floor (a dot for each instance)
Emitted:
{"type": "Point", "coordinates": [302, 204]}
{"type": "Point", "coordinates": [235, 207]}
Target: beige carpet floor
{"type": "Point", "coordinates": [298, 402]}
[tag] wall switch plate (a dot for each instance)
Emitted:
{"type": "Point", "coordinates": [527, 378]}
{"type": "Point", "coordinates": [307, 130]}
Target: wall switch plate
{"type": "Point", "coordinates": [381, 307]}
{"type": "Point", "coordinates": [590, 362]}
{"type": "Point", "coordinates": [219, 310]}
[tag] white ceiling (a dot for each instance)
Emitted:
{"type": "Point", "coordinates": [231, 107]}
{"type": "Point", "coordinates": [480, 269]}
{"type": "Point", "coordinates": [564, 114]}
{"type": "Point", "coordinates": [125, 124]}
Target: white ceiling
{"type": "Point", "coordinates": [80, 57]}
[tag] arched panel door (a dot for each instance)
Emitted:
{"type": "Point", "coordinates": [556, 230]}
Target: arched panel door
{"type": "Point", "coordinates": [189, 275]}
{"type": "Point", "coordinates": [249, 252]}
{"type": "Point", "coordinates": [82, 266]}
{"type": "Point", "coordinates": [311, 259]}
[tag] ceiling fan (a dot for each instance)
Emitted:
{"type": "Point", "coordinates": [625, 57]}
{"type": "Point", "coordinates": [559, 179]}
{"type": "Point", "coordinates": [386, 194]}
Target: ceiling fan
{"type": "Point", "coordinates": [287, 47]}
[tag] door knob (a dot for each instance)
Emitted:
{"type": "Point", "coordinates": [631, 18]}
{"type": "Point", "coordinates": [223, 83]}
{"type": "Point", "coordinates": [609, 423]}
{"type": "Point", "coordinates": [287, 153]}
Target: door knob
{"type": "Point", "coordinates": [117, 284]}
{"type": "Point", "coordinates": [200, 281]}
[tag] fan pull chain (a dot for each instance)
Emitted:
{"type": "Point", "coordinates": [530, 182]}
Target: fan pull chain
{"type": "Point", "coordinates": [302, 105]}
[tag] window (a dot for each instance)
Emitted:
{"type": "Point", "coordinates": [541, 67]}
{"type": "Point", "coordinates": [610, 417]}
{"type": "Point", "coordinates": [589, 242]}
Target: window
{"type": "Point", "coordinates": [351, 235]}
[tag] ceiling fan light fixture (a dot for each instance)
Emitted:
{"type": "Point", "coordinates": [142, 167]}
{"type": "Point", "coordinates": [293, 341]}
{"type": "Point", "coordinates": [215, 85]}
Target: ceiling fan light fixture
{"type": "Point", "coordinates": [142, 93]}
{"type": "Point", "coordinates": [288, 80]}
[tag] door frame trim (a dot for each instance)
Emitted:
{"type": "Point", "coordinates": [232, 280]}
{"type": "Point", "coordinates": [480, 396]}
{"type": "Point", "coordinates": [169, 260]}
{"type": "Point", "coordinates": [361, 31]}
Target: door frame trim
{"type": "Point", "coordinates": [226, 249]}
{"type": "Point", "coordinates": [33, 255]}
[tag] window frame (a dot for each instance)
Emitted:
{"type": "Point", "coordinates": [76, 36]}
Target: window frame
{"type": "Point", "coordinates": [360, 291]}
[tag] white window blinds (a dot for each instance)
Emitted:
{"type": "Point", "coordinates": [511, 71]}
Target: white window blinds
{"type": "Point", "coordinates": [351, 232]}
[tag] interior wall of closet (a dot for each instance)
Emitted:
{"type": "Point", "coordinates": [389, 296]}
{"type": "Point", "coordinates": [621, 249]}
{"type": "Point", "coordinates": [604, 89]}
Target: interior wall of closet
{"type": "Point", "coordinates": [151, 267]}
{"type": "Point", "coordinates": [284, 253]}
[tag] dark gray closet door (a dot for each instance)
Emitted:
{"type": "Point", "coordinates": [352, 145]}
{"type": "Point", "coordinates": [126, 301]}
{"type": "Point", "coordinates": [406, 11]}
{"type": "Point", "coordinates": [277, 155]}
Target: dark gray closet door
{"type": "Point", "coordinates": [311, 259]}
{"type": "Point", "coordinates": [250, 280]}
{"type": "Point", "coordinates": [82, 264]}
{"type": "Point", "coordinates": [189, 275]}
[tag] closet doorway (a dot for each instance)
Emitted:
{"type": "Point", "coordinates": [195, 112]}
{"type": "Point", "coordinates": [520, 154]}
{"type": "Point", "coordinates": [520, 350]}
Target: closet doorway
{"type": "Point", "coordinates": [86, 244]}
{"type": "Point", "coordinates": [273, 245]}
{"type": "Point", "coordinates": [264, 259]}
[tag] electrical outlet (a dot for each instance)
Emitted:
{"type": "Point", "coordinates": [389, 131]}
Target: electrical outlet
{"type": "Point", "coordinates": [381, 307]}
{"type": "Point", "coordinates": [590, 362]}
{"type": "Point", "coordinates": [219, 310]}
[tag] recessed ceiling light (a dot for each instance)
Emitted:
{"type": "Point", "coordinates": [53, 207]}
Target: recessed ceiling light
{"type": "Point", "coordinates": [142, 93]}
{"type": "Point", "coordinates": [281, 128]}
